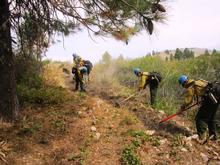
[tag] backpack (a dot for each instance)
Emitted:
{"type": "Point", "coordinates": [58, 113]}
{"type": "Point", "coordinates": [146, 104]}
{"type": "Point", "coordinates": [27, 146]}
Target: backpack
{"type": "Point", "coordinates": [215, 90]}
{"type": "Point", "coordinates": [88, 65]}
{"type": "Point", "coordinates": [212, 92]}
{"type": "Point", "coordinates": [156, 75]}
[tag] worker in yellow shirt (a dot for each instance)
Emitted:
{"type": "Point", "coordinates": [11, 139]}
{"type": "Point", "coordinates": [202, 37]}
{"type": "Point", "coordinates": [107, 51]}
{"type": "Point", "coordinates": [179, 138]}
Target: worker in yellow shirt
{"type": "Point", "coordinates": [79, 71]}
{"type": "Point", "coordinates": [151, 78]}
{"type": "Point", "coordinates": [77, 61]}
{"type": "Point", "coordinates": [201, 90]}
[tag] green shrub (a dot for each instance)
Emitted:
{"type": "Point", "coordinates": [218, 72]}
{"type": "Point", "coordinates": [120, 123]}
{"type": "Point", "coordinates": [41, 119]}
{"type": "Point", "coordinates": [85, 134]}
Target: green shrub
{"type": "Point", "coordinates": [129, 157]}
{"type": "Point", "coordinates": [128, 120]}
{"type": "Point", "coordinates": [28, 69]}
{"type": "Point", "coordinates": [140, 135]}
{"type": "Point", "coordinates": [31, 88]}
{"type": "Point", "coordinates": [59, 125]}
{"type": "Point", "coordinates": [28, 126]}
{"type": "Point", "coordinates": [43, 96]}
{"type": "Point", "coordinates": [202, 67]}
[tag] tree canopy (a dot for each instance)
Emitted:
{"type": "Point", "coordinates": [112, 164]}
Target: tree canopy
{"type": "Point", "coordinates": [106, 58]}
{"type": "Point", "coordinates": [27, 27]}
{"type": "Point", "coordinates": [187, 53]}
{"type": "Point", "coordinates": [35, 21]}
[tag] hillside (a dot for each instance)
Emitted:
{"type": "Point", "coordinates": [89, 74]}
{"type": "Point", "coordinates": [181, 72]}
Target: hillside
{"type": "Point", "coordinates": [98, 128]}
{"type": "Point", "coordinates": [197, 51]}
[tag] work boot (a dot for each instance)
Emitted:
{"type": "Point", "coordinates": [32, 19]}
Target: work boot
{"type": "Point", "coordinates": [213, 137]}
{"type": "Point", "coordinates": [82, 90]}
{"type": "Point", "coordinates": [202, 139]}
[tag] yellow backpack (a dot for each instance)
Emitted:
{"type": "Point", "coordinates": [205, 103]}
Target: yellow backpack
{"type": "Point", "coordinates": [200, 87]}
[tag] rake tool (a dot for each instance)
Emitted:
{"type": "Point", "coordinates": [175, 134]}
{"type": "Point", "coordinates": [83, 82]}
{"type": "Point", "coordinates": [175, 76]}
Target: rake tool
{"type": "Point", "coordinates": [174, 115]}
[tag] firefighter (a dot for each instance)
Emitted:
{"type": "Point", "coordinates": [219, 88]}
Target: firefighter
{"type": "Point", "coordinates": [204, 92]}
{"type": "Point", "coordinates": [151, 78]}
{"type": "Point", "coordinates": [79, 71]}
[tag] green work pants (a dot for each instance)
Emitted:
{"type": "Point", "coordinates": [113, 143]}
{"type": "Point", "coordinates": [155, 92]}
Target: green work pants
{"type": "Point", "coordinates": [206, 116]}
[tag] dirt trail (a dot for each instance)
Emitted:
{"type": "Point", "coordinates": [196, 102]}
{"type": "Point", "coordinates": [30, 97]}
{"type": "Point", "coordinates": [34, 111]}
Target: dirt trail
{"type": "Point", "coordinates": [91, 130]}
{"type": "Point", "coordinates": [175, 137]}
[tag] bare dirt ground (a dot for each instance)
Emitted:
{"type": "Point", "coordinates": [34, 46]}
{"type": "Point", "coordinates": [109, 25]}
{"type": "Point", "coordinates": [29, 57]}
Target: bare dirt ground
{"type": "Point", "coordinates": [91, 129]}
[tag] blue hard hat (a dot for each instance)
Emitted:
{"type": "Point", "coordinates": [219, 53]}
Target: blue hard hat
{"type": "Point", "coordinates": [182, 79]}
{"type": "Point", "coordinates": [137, 71]}
{"type": "Point", "coordinates": [83, 69]}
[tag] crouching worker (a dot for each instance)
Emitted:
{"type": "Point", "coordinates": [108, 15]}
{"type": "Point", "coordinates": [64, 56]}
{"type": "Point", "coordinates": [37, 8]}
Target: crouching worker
{"type": "Point", "coordinates": [151, 78]}
{"type": "Point", "coordinates": [208, 94]}
{"type": "Point", "coordinates": [79, 77]}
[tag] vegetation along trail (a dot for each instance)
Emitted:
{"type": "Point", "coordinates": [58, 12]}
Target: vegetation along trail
{"type": "Point", "coordinates": [46, 119]}
{"type": "Point", "coordinates": [97, 127]}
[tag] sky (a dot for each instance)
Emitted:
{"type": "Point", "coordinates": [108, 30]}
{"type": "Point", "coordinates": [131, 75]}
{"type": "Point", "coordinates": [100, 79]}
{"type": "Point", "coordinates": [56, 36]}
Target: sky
{"type": "Point", "coordinates": [190, 23]}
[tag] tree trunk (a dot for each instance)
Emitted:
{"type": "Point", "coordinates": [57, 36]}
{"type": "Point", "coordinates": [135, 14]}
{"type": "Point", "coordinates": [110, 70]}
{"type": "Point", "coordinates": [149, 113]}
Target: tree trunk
{"type": "Point", "coordinates": [8, 98]}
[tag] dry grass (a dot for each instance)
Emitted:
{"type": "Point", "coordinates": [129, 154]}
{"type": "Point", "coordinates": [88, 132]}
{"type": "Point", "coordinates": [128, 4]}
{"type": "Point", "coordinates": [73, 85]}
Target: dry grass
{"type": "Point", "coordinates": [53, 75]}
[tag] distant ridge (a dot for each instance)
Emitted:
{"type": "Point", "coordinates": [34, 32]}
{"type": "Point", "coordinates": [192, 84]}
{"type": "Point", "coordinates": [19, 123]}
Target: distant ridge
{"type": "Point", "coordinates": [197, 52]}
